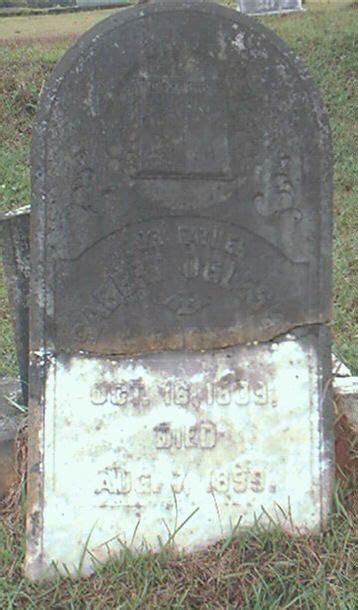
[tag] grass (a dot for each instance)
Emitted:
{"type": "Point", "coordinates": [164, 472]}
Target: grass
{"type": "Point", "coordinates": [30, 28]}
{"type": "Point", "coordinates": [257, 570]}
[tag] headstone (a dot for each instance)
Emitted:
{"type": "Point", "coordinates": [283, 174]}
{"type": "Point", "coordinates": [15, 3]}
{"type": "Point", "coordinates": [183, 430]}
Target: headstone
{"type": "Point", "coordinates": [181, 239]}
{"type": "Point", "coordinates": [102, 3]}
{"type": "Point", "coordinates": [262, 7]}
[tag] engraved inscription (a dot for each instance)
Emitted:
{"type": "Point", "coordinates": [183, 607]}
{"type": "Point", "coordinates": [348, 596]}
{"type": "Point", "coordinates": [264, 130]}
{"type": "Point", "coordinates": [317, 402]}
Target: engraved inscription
{"type": "Point", "coordinates": [222, 392]}
{"type": "Point", "coordinates": [184, 267]}
{"type": "Point", "coordinates": [181, 426]}
{"type": "Point", "coordinates": [120, 394]}
{"type": "Point", "coordinates": [227, 390]}
{"type": "Point", "coordinates": [239, 479]}
{"type": "Point", "coordinates": [185, 304]}
{"type": "Point", "coordinates": [177, 140]}
{"type": "Point", "coordinates": [201, 436]}
{"type": "Point", "coordinates": [115, 481]}
{"type": "Point", "coordinates": [213, 236]}
{"type": "Point", "coordinates": [281, 196]}
{"type": "Point", "coordinates": [82, 189]}
{"type": "Point", "coordinates": [120, 481]}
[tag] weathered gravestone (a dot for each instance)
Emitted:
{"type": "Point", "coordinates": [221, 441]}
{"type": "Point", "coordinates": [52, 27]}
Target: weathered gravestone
{"type": "Point", "coordinates": [181, 256]}
{"type": "Point", "coordinates": [258, 7]}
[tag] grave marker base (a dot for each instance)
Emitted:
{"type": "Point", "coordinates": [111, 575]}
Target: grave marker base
{"type": "Point", "coordinates": [205, 439]}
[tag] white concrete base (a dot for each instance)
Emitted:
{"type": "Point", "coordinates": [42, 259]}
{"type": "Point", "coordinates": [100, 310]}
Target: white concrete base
{"type": "Point", "coordinates": [260, 8]}
{"type": "Point", "coordinates": [180, 447]}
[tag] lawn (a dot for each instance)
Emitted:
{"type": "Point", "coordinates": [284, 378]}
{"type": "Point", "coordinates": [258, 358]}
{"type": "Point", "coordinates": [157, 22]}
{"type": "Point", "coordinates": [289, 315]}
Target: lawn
{"type": "Point", "coordinates": [259, 570]}
{"type": "Point", "coordinates": [25, 30]}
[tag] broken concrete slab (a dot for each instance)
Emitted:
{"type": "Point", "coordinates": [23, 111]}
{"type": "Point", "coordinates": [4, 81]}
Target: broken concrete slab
{"type": "Point", "coordinates": [10, 418]}
{"type": "Point", "coordinates": [8, 430]}
{"type": "Point", "coordinates": [339, 369]}
{"type": "Point", "coordinates": [268, 7]}
{"type": "Point", "coordinates": [11, 404]}
{"type": "Point", "coordinates": [15, 245]}
{"type": "Point", "coordinates": [345, 390]}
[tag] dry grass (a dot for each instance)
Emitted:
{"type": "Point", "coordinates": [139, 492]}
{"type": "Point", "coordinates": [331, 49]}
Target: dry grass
{"type": "Point", "coordinates": [44, 28]}
{"type": "Point", "coordinates": [256, 570]}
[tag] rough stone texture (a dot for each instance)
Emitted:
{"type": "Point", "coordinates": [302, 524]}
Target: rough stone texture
{"type": "Point", "coordinates": [10, 393]}
{"type": "Point", "coordinates": [258, 7]}
{"type": "Point", "coordinates": [15, 245]}
{"type": "Point", "coordinates": [339, 369]}
{"type": "Point", "coordinates": [221, 436]}
{"type": "Point", "coordinates": [345, 391]}
{"type": "Point", "coordinates": [9, 420]}
{"type": "Point", "coordinates": [186, 189]}
{"type": "Point", "coordinates": [8, 429]}
{"type": "Point", "coordinates": [181, 192]}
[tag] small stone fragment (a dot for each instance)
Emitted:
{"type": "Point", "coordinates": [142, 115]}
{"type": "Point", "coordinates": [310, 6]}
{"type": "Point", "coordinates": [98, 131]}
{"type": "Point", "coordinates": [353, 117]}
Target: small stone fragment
{"type": "Point", "coordinates": [345, 390]}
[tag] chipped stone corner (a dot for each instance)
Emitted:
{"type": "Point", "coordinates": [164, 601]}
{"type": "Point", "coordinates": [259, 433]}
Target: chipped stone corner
{"type": "Point", "coordinates": [345, 391]}
{"type": "Point", "coordinates": [34, 565]}
{"type": "Point", "coordinates": [257, 8]}
{"type": "Point", "coordinates": [15, 246]}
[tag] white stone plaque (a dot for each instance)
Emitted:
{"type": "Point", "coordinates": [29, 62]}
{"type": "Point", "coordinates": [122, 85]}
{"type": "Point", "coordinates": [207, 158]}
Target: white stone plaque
{"type": "Point", "coordinates": [262, 7]}
{"type": "Point", "coordinates": [181, 447]}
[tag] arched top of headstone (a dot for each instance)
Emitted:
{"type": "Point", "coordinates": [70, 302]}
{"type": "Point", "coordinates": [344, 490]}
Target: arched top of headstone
{"type": "Point", "coordinates": [181, 186]}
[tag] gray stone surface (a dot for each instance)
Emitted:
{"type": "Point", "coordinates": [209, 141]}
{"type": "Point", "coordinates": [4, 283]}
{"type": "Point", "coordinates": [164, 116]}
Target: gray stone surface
{"type": "Point", "coordinates": [200, 217]}
{"type": "Point", "coordinates": [181, 222]}
{"type": "Point", "coordinates": [7, 456]}
{"type": "Point", "coordinates": [10, 417]}
{"type": "Point", "coordinates": [339, 369]}
{"type": "Point", "coordinates": [15, 246]}
{"type": "Point", "coordinates": [345, 390]}
{"type": "Point", "coordinates": [257, 7]}
{"type": "Point", "coordinates": [10, 395]}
